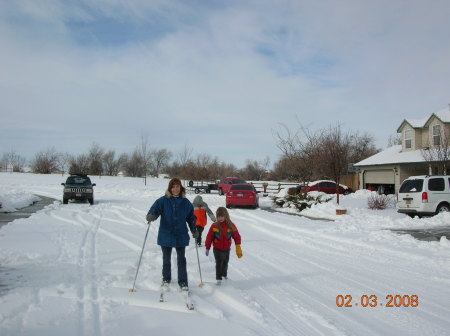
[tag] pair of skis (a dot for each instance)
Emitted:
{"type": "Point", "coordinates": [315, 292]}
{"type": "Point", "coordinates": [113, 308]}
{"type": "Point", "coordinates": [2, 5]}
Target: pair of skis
{"type": "Point", "coordinates": [185, 294]}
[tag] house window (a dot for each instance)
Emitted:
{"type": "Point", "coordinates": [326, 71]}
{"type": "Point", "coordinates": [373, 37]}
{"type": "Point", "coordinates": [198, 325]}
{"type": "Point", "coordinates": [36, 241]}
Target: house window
{"type": "Point", "coordinates": [408, 138]}
{"type": "Point", "coordinates": [436, 135]}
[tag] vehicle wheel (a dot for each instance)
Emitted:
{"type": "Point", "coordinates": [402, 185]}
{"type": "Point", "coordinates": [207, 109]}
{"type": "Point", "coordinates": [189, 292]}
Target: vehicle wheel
{"type": "Point", "coordinates": [346, 192]}
{"type": "Point", "coordinates": [256, 205]}
{"type": "Point", "coordinates": [197, 191]}
{"type": "Point", "coordinates": [191, 183]}
{"type": "Point", "coordinates": [228, 206]}
{"type": "Point", "coordinates": [443, 208]}
{"type": "Point", "coordinates": [208, 191]}
{"type": "Point", "coordinates": [65, 200]}
{"type": "Point", "coordinates": [91, 201]}
{"type": "Point", "coordinates": [220, 192]}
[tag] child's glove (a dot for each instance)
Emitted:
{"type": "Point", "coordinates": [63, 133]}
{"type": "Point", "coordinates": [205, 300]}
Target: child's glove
{"type": "Point", "coordinates": [207, 252]}
{"type": "Point", "coordinates": [195, 234]}
{"type": "Point", "coordinates": [238, 251]}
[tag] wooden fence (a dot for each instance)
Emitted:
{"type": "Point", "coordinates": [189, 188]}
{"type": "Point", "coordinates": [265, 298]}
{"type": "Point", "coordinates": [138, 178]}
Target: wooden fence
{"type": "Point", "coordinates": [272, 188]}
{"type": "Point", "coordinates": [351, 180]}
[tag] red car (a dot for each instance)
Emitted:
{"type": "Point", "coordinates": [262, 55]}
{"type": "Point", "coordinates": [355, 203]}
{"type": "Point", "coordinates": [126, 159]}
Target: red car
{"type": "Point", "coordinates": [328, 187]}
{"type": "Point", "coordinates": [226, 183]}
{"type": "Point", "coordinates": [241, 195]}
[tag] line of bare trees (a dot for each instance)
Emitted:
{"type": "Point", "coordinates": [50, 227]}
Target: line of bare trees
{"type": "Point", "coordinates": [306, 156]}
{"type": "Point", "coordinates": [12, 161]}
{"type": "Point", "coordinates": [143, 161]}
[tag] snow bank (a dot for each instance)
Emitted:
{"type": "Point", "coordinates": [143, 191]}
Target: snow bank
{"type": "Point", "coordinates": [13, 200]}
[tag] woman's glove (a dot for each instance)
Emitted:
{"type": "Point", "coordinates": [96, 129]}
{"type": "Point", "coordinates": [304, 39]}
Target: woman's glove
{"type": "Point", "coordinates": [238, 251]}
{"type": "Point", "coordinates": [207, 252]}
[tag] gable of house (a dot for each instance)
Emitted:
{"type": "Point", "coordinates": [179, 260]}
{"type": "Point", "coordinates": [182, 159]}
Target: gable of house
{"type": "Point", "coordinates": [387, 169]}
{"type": "Point", "coordinates": [424, 133]}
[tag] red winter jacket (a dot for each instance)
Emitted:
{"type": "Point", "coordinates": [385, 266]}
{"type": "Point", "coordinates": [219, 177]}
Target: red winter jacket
{"type": "Point", "coordinates": [222, 241]}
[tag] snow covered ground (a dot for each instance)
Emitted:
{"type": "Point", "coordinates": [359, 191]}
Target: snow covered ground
{"type": "Point", "coordinates": [67, 269]}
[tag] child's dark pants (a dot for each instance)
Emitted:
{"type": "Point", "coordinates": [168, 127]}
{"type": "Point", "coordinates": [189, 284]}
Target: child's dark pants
{"type": "Point", "coordinates": [222, 258]}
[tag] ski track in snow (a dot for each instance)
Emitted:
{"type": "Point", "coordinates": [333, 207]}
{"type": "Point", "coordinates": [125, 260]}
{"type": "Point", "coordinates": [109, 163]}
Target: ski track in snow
{"type": "Point", "coordinates": [286, 283]}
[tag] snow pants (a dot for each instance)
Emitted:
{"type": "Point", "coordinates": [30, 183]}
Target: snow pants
{"type": "Point", "coordinates": [181, 264]}
{"type": "Point", "coordinates": [200, 231]}
{"type": "Point", "coordinates": [222, 258]}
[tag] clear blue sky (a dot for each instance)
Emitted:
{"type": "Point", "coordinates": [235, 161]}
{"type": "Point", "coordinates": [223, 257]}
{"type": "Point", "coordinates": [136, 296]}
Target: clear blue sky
{"type": "Point", "coordinates": [219, 76]}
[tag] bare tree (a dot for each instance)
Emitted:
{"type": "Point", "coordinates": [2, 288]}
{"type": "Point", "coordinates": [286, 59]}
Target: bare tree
{"type": "Point", "coordinates": [13, 161]}
{"type": "Point", "coordinates": [438, 154]}
{"type": "Point", "coordinates": [111, 166]}
{"type": "Point", "coordinates": [255, 170]}
{"type": "Point", "coordinates": [133, 164]}
{"type": "Point", "coordinates": [122, 162]}
{"type": "Point", "coordinates": [96, 159]}
{"type": "Point", "coordinates": [62, 162]}
{"type": "Point", "coordinates": [362, 146]}
{"type": "Point", "coordinates": [45, 162]}
{"type": "Point", "coordinates": [299, 149]}
{"type": "Point", "coordinates": [146, 154]}
{"type": "Point", "coordinates": [161, 159]}
{"type": "Point", "coordinates": [394, 140]}
{"type": "Point", "coordinates": [79, 164]}
{"type": "Point", "coordinates": [185, 155]}
{"type": "Point", "coordinates": [334, 153]}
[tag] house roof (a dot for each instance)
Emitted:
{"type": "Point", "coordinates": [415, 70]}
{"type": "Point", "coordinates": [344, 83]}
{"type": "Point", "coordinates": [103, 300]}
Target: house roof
{"type": "Point", "coordinates": [442, 115]}
{"type": "Point", "coordinates": [393, 155]}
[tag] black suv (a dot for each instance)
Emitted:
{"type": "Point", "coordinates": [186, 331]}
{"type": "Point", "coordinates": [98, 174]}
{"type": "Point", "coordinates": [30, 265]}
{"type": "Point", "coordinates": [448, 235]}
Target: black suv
{"type": "Point", "coordinates": [78, 187]}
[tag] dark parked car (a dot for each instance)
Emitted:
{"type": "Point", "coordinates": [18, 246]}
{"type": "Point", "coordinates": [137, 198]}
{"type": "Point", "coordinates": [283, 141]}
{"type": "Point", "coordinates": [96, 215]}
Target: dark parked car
{"type": "Point", "coordinates": [325, 186]}
{"type": "Point", "coordinates": [226, 183]}
{"type": "Point", "coordinates": [242, 195]}
{"type": "Point", "coordinates": [78, 187]}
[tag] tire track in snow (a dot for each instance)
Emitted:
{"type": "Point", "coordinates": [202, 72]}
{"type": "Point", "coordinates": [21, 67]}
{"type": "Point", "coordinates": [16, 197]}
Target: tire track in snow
{"type": "Point", "coordinates": [333, 245]}
{"type": "Point", "coordinates": [361, 281]}
{"type": "Point", "coordinates": [291, 311]}
{"type": "Point", "coordinates": [89, 314]}
{"type": "Point", "coordinates": [318, 236]}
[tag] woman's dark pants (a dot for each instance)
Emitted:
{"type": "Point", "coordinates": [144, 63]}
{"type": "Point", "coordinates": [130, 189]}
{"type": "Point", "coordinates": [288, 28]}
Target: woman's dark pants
{"type": "Point", "coordinates": [181, 264]}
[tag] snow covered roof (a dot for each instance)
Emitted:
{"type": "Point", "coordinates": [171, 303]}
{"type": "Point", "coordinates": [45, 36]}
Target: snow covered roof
{"type": "Point", "coordinates": [442, 115]}
{"type": "Point", "coordinates": [417, 123]}
{"type": "Point", "coordinates": [392, 155]}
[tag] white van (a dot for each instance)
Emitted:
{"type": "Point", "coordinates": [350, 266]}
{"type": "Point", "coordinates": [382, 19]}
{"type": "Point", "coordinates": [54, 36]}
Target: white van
{"type": "Point", "coordinates": [424, 195]}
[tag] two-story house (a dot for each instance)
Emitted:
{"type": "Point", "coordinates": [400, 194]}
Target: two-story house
{"type": "Point", "coordinates": [424, 146]}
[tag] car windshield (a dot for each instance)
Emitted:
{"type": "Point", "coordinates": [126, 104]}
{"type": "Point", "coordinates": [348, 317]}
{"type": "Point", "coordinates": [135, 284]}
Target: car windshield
{"type": "Point", "coordinates": [242, 187]}
{"type": "Point", "coordinates": [238, 181]}
{"type": "Point", "coordinates": [79, 180]}
{"type": "Point", "coordinates": [411, 186]}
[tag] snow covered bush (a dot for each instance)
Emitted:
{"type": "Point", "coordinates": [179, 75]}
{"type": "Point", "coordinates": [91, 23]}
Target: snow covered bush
{"type": "Point", "coordinates": [299, 201]}
{"type": "Point", "coordinates": [380, 202]}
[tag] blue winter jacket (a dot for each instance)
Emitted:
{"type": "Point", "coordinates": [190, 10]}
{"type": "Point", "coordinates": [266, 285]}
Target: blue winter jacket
{"type": "Point", "coordinates": [175, 212]}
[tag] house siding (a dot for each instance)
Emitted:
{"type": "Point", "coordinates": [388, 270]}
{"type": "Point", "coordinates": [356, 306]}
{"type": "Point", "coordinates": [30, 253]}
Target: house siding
{"type": "Point", "coordinates": [408, 128]}
{"type": "Point", "coordinates": [417, 139]}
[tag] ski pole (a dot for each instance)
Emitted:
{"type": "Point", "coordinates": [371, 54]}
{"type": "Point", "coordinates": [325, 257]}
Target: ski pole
{"type": "Point", "coordinates": [140, 258]}
{"type": "Point", "coordinates": [199, 269]}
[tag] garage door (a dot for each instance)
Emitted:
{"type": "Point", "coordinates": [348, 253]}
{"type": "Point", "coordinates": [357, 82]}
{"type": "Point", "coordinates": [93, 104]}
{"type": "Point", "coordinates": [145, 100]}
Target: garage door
{"type": "Point", "coordinates": [382, 176]}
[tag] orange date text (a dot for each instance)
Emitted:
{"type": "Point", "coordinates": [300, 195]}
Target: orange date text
{"type": "Point", "coordinates": [373, 301]}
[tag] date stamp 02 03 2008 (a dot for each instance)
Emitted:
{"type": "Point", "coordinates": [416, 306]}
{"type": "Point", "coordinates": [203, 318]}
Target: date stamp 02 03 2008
{"type": "Point", "coordinates": [372, 301]}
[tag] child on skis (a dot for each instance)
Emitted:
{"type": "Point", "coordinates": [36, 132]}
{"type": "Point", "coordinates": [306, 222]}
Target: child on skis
{"type": "Point", "coordinates": [200, 211]}
{"type": "Point", "coordinates": [219, 235]}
